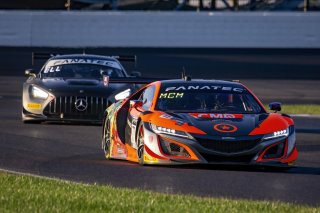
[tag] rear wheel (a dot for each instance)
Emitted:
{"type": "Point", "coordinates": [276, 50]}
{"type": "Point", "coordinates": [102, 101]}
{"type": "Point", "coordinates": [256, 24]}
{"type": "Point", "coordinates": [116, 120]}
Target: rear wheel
{"type": "Point", "coordinates": [140, 140]}
{"type": "Point", "coordinates": [106, 138]}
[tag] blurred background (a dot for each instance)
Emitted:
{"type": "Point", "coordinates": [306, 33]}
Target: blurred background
{"type": "Point", "coordinates": [228, 39]}
{"type": "Point", "coordinates": [161, 5]}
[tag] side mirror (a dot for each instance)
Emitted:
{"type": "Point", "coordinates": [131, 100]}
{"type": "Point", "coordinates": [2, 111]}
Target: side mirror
{"type": "Point", "coordinates": [122, 95]}
{"type": "Point", "coordinates": [135, 103]}
{"type": "Point", "coordinates": [275, 106]}
{"type": "Point", "coordinates": [136, 74]}
{"type": "Point", "coordinates": [30, 72]}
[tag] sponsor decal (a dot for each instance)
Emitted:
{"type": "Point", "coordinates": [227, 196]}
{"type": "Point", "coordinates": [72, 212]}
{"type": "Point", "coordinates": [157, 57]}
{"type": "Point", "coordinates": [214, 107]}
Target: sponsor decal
{"type": "Point", "coordinates": [106, 80]}
{"type": "Point", "coordinates": [215, 115]}
{"type": "Point", "coordinates": [58, 62]}
{"type": "Point", "coordinates": [171, 95]}
{"type": "Point", "coordinates": [34, 106]}
{"type": "Point", "coordinates": [120, 150]}
{"type": "Point", "coordinates": [166, 116]}
{"type": "Point", "coordinates": [226, 128]}
{"type": "Point", "coordinates": [205, 87]}
{"type": "Point", "coordinates": [179, 122]}
{"type": "Point", "coordinates": [52, 69]}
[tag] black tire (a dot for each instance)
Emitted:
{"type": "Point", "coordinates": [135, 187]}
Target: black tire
{"type": "Point", "coordinates": [31, 122]}
{"type": "Point", "coordinates": [106, 138]}
{"type": "Point", "coordinates": [140, 141]}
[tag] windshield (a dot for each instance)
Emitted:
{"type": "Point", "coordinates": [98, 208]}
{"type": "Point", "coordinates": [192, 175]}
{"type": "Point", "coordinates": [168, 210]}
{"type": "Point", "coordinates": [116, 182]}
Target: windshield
{"type": "Point", "coordinates": [94, 71]}
{"type": "Point", "coordinates": [208, 100]}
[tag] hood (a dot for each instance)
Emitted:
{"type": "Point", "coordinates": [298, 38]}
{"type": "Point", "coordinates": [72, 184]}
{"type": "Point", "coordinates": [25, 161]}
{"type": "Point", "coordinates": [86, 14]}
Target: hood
{"type": "Point", "coordinates": [228, 125]}
{"type": "Point", "coordinates": [87, 87]}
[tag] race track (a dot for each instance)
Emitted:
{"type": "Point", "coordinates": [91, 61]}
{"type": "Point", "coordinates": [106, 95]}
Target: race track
{"type": "Point", "coordinates": [73, 152]}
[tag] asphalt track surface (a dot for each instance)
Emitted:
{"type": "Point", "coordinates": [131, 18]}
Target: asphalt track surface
{"type": "Point", "coordinates": [73, 152]}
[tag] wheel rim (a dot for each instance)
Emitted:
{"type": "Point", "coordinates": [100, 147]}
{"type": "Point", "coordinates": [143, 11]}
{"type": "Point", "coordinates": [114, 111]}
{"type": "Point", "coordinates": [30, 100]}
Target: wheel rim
{"type": "Point", "coordinates": [141, 144]}
{"type": "Point", "coordinates": [106, 139]}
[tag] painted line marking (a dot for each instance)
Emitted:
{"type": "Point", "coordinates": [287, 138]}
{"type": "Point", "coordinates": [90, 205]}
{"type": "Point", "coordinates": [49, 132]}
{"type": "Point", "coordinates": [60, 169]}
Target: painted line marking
{"type": "Point", "coordinates": [305, 116]}
{"type": "Point", "coordinates": [38, 176]}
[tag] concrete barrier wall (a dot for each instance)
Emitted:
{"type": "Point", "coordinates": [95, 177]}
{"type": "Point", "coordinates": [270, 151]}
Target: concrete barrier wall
{"type": "Point", "coordinates": [160, 29]}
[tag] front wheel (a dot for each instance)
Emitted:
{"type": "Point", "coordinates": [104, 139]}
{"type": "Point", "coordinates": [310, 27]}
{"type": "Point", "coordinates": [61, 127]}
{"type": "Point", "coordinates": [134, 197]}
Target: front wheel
{"type": "Point", "coordinates": [140, 140]}
{"type": "Point", "coordinates": [106, 138]}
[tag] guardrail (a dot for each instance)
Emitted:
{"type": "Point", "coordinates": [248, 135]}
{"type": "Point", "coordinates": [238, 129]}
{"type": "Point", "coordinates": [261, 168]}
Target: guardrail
{"type": "Point", "coordinates": [159, 29]}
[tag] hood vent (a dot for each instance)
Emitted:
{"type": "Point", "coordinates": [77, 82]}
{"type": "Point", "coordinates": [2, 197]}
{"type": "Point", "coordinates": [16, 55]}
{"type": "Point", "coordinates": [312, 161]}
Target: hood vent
{"type": "Point", "coordinates": [83, 82]}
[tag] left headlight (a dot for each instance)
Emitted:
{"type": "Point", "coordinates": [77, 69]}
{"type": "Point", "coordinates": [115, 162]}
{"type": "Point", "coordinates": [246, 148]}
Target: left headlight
{"type": "Point", "coordinates": [277, 134]}
{"type": "Point", "coordinates": [39, 93]}
{"type": "Point", "coordinates": [164, 130]}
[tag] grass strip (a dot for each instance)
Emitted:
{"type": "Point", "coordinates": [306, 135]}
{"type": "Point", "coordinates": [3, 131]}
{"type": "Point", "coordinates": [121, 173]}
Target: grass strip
{"type": "Point", "coordinates": [33, 194]}
{"type": "Point", "coordinates": [312, 109]}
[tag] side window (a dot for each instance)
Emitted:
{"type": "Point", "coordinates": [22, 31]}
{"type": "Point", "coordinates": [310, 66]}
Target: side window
{"type": "Point", "coordinates": [147, 97]}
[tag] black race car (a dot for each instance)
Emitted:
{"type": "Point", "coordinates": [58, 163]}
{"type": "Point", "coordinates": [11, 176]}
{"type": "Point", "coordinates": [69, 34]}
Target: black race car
{"type": "Point", "coordinates": [72, 88]}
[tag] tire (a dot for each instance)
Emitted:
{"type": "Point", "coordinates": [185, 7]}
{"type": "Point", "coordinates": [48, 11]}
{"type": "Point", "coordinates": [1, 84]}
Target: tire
{"type": "Point", "coordinates": [31, 122]}
{"type": "Point", "coordinates": [106, 138]}
{"type": "Point", "coordinates": [140, 140]}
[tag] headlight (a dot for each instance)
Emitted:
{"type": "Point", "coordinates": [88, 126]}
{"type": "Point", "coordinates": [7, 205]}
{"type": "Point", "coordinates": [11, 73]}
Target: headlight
{"type": "Point", "coordinates": [39, 93]}
{"type": "Point", "coordinates": [164, 130]}
{"type": "Point", "coordinates": [277, 134]}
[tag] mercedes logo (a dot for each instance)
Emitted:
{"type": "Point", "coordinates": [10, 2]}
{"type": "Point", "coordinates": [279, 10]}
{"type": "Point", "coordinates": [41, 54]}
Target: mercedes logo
{"type": "Point", "coordinates": [81, 104]}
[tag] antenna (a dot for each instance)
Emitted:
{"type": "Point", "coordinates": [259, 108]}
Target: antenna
{"type": "Point", "coordinates": [184, 75]}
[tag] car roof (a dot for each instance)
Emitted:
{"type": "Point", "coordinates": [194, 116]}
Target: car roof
{"type": "Point", "coordinates": [83, 56]}
{"type": "Point", "coordinates": [201, 82]}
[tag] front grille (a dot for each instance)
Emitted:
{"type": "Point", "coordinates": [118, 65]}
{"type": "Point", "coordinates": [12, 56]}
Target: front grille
{"type": "Point", "coordinates": [233, 146]}
{"type": "Point", "coordinates": [228, 159]}
{"type": "Point", "coordinates": [64, 107]}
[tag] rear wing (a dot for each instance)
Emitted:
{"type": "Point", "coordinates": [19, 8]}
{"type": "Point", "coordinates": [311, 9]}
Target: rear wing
{"type": "Point", "coordinates": [45, 56]}
{"type": "Point", "coordinates": [41, 56]}
{"type": "Point", "coordinates": [129, 58]}
{"type": "Point", "coordinates": [143, 80]}
{"type": "Point", "coordinates": [134, 80]}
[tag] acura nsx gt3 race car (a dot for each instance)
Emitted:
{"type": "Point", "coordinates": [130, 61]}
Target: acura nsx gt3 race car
{"type": "Point", "coordinates": [72, 88]}
{"type": "Point", "coordinates": [198, 121]}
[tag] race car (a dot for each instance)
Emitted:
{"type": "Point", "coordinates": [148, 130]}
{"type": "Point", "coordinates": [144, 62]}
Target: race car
{"type": "Point", "coordinates": [72, 87]}
{"type": "Point", "coordinates": [198, 121]}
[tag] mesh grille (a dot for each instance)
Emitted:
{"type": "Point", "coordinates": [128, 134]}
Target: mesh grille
{"type": "Point", "coordinates": [66, 105]}
{"type": "Point", "coordinates": [229, 146]}
{"type": "Point", "coordinates": [173, 149]}
{"type": "Point", "coordinates": [228, 159]}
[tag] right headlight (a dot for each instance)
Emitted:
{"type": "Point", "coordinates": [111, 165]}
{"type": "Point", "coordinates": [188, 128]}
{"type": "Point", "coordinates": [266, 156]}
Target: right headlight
{"type": "Point", "coordinates": [37, 92]}
{"type": "Point", "coordinates": [164, 130]}
{"type": "Point", "coordinates": [277, 134]}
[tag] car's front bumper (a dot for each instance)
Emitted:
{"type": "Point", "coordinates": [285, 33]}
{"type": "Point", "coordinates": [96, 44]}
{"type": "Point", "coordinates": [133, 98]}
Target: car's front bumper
{"type": "Point", "coordinates": [257, 155]}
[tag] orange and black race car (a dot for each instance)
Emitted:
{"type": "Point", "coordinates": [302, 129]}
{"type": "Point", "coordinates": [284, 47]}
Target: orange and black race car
{"type": "Point", "coordinates": [197, 121]}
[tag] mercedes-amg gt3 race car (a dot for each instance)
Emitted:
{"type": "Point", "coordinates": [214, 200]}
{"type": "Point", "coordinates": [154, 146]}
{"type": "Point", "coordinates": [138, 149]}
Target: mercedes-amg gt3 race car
{"type": "Point", "coordinates": [72, 88]}
{"type": "Point", "coordinates": [197, 121]}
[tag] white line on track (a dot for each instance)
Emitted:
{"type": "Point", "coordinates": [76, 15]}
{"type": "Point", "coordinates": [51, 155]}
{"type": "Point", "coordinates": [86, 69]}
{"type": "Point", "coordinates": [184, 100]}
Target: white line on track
{"type": "Point", "coordinates": [36, 176]}
{"type": "Point", "coordinates": [305, 116]}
